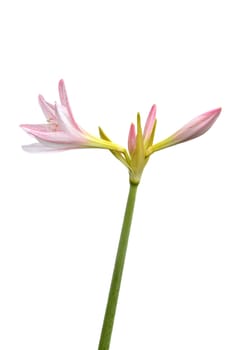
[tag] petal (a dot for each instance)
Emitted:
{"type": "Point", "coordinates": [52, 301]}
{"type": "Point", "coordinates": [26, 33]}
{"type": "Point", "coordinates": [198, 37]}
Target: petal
{"type": "Point", "coordinates": [39, 127]}
{"type": "Point", "coordinates": [40, 147]}
{"type": "Point", "coordinates": [138, 159]}
{"type": "Point", "coordinates": [44, 132]}
{"type": "Point", "coordinates": [138, 156]}
{"type": "Point", "coordinates": [150, 122]}
{"type": "Point", "coordinates": [195, 128]}
{"type": "Point", "coordinates": [66, 124]}
{"type": "Point", "coordinates": [65, 103]}
{"type": "Point", "coordinates": [47, 108]}
{"type": "Point", "coordinates": [132, 139]}
{"type": "Point", "coordinates": [81, 136]}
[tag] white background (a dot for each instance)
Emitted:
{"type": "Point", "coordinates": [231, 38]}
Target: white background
{"type": "Point", "coordinates": [61, 213]}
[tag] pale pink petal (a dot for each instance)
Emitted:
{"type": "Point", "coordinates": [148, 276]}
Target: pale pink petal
{"type": "Point", "coordinates": [40, 127]}
{"type": "Point", "coordinates": [132, 139]}
{"type": "Point", "coordinates": [149, 123]}
{"type": "Point", "coordinates": [44, 132]}
{"type": "Point", "coordinates": [40, 147]}
{"type": "Point", "coordinates": [196, 127]}
{"type": "Point", "coordinates": [47, 108]}
{"type": "Point", "coordinates": [66, 124]}
{"type": "Point", "coordinates": [65, 103]}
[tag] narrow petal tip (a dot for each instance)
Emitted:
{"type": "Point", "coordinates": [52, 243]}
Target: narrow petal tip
{"type": "Point", "coordinates": [150, 122]}
{"type": "Point", "coordinates": [61, 82]}
{"type": "Point", "coordinates": [25, 127]}
{"type": "Point", "coordinates": [132, 139]}
{"type": "Point", "coordinates": [214, 113]}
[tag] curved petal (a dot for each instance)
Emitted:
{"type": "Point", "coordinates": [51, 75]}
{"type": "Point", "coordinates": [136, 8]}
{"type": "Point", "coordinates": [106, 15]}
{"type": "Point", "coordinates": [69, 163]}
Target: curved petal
{"type": "Point", "coordinates": [65, 122]}
{"type": "Point", "coordinates": [65, 103]}
{"type": "Point", "coordinates": [44, 132]}
{"type": "Point", "coordinates": [47, 108]}
{"type": "Point", "coordinates": [195, 128]}
{"type": "Point", "coordinates": [41, 147]}
{"type": "Point", "coordinates": [40, 127]}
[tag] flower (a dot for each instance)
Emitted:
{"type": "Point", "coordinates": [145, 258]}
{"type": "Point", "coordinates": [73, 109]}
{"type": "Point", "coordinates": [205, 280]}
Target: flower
{"type": "Point", "coordinates": [61, 132]}
{"type": "Point", "coordinates": [195, 128]}
{"type": "Point", "coordinates": [140, 144]}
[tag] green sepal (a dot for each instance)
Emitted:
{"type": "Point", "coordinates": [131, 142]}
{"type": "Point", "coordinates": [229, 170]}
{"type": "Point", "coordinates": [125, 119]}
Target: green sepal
{"type": "Point", "coordinates": [121, 157]}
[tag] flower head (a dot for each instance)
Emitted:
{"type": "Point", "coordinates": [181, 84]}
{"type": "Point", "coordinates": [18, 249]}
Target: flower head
{"type": "Point", "coordinates": [61, 132]}
{"type": "Point", "coordinates": [140, 144]}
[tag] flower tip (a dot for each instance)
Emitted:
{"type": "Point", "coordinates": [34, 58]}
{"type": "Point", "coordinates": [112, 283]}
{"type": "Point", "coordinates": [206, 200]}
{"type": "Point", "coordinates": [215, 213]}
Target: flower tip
{"type": "Point", "coordinates": [132, 139]}
{"type": "Point", "coordinates": [150, 123]}
{"type": "Point", "coordinates": [61, 83]}
{"type": "Point", "coordinates": [153, 109]}
{"type": "Point", "coordinates": [214, 112]}
{"type": "Point", "coordinates": [24, 127]}
{"type": "Point", "coordinates": [62, 90]}
{"type": "Point", "coordinates": [210, 117]}
{"type": "Point", "coordinates": [132, 130]}
{"type": "Point", "coordinates": [41, 100]}
{"type": "Point", "coordinates": [196, 127]}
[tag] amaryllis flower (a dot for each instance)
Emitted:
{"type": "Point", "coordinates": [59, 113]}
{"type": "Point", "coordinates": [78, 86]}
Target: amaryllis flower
{"type": "Point", "coordinates": [61, 132]}
{"type": "Point", "coordinates": [140, 144]}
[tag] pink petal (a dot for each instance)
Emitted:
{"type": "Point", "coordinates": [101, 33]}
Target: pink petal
{"type": "Point", "coordinates": [39, 127]}
{"type": "Point", "coordinates": [132, 139]}
{"type": "Point", "coordinates": [66, 124]}
{"type": "Point", "coordinates": [41, 147]}
{"type": "Point", "coordinates": [44, 132]}
{"type": "Point", "coordinates": [196, 127]}
{"type": "Point", "coordinates": [65, 103]}
{"type": "Point", "coordinates": [149, 123]}
{"type": "Point", "coordinates": [47, 108]}
{"type": "Point", "coordinates": [191, 130]}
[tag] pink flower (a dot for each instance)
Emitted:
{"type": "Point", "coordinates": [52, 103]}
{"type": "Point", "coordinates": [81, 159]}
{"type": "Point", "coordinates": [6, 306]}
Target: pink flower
{"type": "Point", "coordinates": [140, 144]}
{"type": "Point", "coordinates": [195, 128]}
{"type": "Point", "coordinates": [61, 132]}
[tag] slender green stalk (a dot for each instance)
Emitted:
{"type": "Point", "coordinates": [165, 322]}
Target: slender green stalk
{"type": "Point", "coordinates": [109, 316]}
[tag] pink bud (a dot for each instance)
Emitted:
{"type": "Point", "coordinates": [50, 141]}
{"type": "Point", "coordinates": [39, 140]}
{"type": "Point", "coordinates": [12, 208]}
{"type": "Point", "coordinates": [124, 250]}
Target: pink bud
{"type": "Point", "coordinates": [132, 139]}
{"type": "Point", "coordinates": [150, 122]}
{"type": "Point", "coordinates": [196, 127]}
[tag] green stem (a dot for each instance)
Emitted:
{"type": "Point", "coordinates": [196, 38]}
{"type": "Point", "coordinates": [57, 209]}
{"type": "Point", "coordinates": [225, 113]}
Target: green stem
{"type": "Point", "coordinates": [110, 311]}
